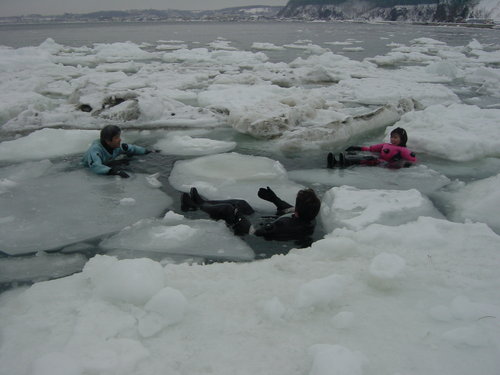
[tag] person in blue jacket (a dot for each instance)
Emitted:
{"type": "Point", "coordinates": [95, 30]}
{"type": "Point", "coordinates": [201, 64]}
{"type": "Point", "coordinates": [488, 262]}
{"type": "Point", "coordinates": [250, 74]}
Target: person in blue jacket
{"type": "Point", "coordinates": [101, 155]}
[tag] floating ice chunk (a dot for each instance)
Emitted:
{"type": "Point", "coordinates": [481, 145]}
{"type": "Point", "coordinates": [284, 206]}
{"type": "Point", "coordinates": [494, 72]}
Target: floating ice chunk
{"type": "Point", "coordinates": [266, 46]}
{"type": "Point", "coordinates": [337, 66]}
{"type": "Point", "coordinates": [221, 44]}
{"type": "Point", "coordinates": [469, 336]}
{"type": "Point", "coordinates": [170, 47]}
{"type": "Point", "coordinates": [321, 292]}
{"type": "Point", "coordinates": [443, 68]}
{"type": "Point", "coordinates": [441, 313]}
{"type": "Point", "coordinates": [386, 269]}
{"type": "Point", "coordinates": [488, 78]}
{"type": "Point", "coordinates": [353, 49]}
{"type": "Point", "coordinates": [336, 248]}
{"type": "Point", "coordinates": [233, 175]}
{"type": "Point", "coordinates": [119, 355]}
{"type": "Point", "coordinates": [39, 267]}
{"type": "Point", "coordinates": [56, 363]}
{"type": "Point", "coordinates": [427, 41]}
{"type": "Point", "coordinates": [419, 177]}
{"type": "Point", "coordinates": [381, 91]}
{"type": "Point", "coordinates": [346, 43]}
{"type": "Point", "coordinates": [222, 57]}
{"type": "Point", "coordinates": [235, 97]}
{"type": "Point", "coordinates": [177, 235]}
{"type": "Point", "coordinates": [273, 309]}
{"type": "Point", "coordinates": [280, 109]}
{"type": "Point", "coordinates": [121, 52]}
{"type": "Point", "coordinates": [486, 57]}
{"type": "Point", "coordinates": [337, 128]}
{"type": "Point", "coordinates": [167, 307]}
{"type": "Point", "coordinates": [441, 244]}
{"type": "Point", "coordinates": [127, 201]}
{"type": "Point", "coordinates": [446, 132]}
{"type": "Point", "coordinates": [49, 214]}
{"type": "Point", "coordinates": [477, 201]}
{"type": "Point", "coordinates": [464, 309]}
{"type": "Point", "coordinates": [343, 320]}
{"type": "Point", "coordinates": [19, 101]}
{"type": "Point", "coordinates": [153, 180]}
{"type": "Point", "coordinates": [309, 48]}
{"type": "Point", "coordinates": [168, 302]}
{"type": "Point", "coordinates": [335, 360]}
{"type": "Point", "coordinates": [187, 145]}
{"type": "Point", "coordinates": [132, 281]}
{"type": "Point", "coordinates": [355, 209]}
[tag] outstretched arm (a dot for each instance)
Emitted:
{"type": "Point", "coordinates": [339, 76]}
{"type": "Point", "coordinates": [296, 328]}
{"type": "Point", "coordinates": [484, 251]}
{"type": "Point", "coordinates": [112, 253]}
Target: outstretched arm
{"type": "Point", "coordinates": [268, 195]}
{"type": "Point", "coordinates": [133, 149]}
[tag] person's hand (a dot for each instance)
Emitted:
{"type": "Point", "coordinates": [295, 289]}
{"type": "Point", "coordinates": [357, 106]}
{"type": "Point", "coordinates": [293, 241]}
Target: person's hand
{"type": "Point", "coordinates": [118, 172]}
{"type": "Point", "coordinates": [148, 151]}
{"type": "Point", "coordinates": [267, 194]}
{"type": "Point", "coordinates": [353, 148]}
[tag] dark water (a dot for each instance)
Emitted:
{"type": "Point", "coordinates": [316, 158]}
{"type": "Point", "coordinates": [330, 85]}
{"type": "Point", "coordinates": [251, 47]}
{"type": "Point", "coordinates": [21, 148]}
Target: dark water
{"type": "Point", "coordinates": [373, 38]}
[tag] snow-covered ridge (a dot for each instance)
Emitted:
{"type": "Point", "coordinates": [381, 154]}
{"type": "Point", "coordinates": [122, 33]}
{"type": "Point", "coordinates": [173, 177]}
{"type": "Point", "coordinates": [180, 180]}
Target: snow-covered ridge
{"type": "Point", "coordinates": [365, 10]}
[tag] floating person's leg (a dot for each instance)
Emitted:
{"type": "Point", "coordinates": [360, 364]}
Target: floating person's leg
{"type": "Point", "coordinates": [187, 204]}
{"type": "Point", "coordinates": [242, 205]}
{"type": "Point", "coordinates": [331, 162]}
{"type": "Point", "coordinates": [349, 159]}
{"type": "Point", "coordinates": [224, 210]}
{"type": "Point", "coordinates": [268, 195]}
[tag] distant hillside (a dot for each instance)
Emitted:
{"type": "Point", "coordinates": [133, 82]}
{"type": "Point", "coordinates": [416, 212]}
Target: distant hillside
{"type": "Point", "coordinates": [359, 10]}
{"type": "Point", "coordinates": [245, 13]}
{"type": "Point", "coordinates": [387, 10]}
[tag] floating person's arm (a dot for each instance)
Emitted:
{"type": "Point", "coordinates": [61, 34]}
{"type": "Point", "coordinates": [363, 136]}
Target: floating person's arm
{"type": "Point", "coordinates": [130, 149]}
{"type": "Point", "coordinates": [408, 155]}
{"type": "Point", "coordinates": [94, 161]}
{"type": "Point", "coordinates": [373, 148]}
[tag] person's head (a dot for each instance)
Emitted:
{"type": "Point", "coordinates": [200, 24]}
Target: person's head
{"type": "Point", "coordinates": [399, 137]}
{"type": "Point", "coordinates": [307, 204]}
{"type": "Point", "coordinates": [110, 136]}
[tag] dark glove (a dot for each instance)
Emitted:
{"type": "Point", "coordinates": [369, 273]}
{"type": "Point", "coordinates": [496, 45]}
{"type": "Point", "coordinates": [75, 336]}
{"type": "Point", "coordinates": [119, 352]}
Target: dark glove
{"type": "Point", "coordinates": [118, 172]}
{"type": "Point", "coordinates": [124, 147]}
{"type": "Point", "coordinates": [353, 148]}
{"type": "Point", "coordinates": [267, 194]}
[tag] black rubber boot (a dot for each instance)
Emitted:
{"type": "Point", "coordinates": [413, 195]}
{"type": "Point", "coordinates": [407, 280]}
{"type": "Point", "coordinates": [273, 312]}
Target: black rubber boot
{"type": "Point", "coordinates": [268, 195]}
{"type": "Point", "coordinates": [187, 204]}
{"type": "Point", "coordinates": [241, 204]}
{"type": "Point", "coordinates": [195, 196]}
{"type": "Point", "coordinates": [330, 161]}
{"type": "Point", "coordinates": [342, 160]}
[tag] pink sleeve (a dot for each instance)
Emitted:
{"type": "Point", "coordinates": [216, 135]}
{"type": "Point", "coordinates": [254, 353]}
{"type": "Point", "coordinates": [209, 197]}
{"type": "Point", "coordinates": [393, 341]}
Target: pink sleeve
{"type": "Point", "coordinates": [375, 148]}
{"type": "Point", "coordinates": [408, 155]}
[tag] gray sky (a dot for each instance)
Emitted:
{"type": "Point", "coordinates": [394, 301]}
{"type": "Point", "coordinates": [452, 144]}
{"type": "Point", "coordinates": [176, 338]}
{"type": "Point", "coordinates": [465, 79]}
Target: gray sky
{"type": "Point", "coordinates": [52, 7]}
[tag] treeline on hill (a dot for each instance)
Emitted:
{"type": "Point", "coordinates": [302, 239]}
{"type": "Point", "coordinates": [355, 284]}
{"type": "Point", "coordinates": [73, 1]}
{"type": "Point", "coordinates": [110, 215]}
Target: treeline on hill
{"type": "Point", "coordinates": [446, 10]}
{"type": "Point", "coordinates": [376, 3]}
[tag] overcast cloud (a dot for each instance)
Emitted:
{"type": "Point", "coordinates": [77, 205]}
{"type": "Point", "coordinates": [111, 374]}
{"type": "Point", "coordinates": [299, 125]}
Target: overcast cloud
{"type": "Point", "coordinates": [53, 7]}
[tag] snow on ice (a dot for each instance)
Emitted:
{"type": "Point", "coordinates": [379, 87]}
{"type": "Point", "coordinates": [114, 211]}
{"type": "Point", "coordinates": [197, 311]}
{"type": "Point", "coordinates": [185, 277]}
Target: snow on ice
{"type": "Point", "coordinates": [405, 279]}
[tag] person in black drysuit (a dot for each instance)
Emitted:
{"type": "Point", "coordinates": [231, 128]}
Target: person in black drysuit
{"type": "Point", "coordinates": [290, 223]}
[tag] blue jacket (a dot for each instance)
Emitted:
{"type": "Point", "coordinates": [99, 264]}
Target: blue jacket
{"type": "Point", "coordinates": [97, 156]}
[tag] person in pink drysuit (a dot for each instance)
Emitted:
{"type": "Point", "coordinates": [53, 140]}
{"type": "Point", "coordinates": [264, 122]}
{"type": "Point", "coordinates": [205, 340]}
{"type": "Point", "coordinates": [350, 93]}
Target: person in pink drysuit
{"type": "Point", "coordinates": [391, 155]}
